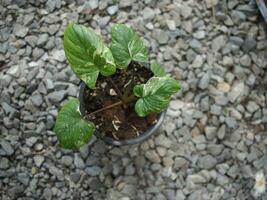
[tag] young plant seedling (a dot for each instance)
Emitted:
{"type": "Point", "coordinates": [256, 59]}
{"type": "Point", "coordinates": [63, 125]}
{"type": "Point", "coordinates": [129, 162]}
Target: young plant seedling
{"type": "Point", "coordinates": [89, 57]}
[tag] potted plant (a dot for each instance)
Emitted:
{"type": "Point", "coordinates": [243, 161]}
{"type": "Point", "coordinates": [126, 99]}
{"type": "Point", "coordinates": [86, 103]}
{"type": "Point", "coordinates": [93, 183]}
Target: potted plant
{"type": "Point", "coordinates": [121, 99]}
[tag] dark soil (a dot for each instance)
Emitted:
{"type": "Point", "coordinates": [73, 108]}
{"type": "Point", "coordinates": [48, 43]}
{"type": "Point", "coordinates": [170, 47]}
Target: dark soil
{"type": "Point", "coordinates": [119, 122]}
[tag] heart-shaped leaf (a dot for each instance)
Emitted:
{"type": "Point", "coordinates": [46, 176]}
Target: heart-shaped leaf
{"type": "Point", "coordinates": [158, 69]}
{"type": "Point", "coordinates": [154, 95]}
{"type": "Point", "coordinates": [127, 46]}
{"type": "Point", "coordinates": [71, 129]}
{"type": "Point", "coordinates": [87, 54]}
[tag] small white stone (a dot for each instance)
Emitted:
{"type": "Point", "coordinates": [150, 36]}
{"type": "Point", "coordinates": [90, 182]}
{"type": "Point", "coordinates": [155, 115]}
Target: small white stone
{"type": "Point", "coordinates": [237, 91]}
{"type": "Point", "coordinates": [112, 92]}
{"type": "Point", "coordinates": [228, 61]}
{"type": "Point", "coordinates": [58, 55]}
{"type": "Point", "coordinates": [198, 62]}
{"type": "Point", "coordinates": [176, 104]}
{"type": "Point", "coordinates": [14, 71]}
{"type": "Point", "coordinates": [250, 135]}
{"type": "Point", "coordinates": [199, 34]}
{"type": "Point", "coordinates": [211, 3]}
{"type": "Point", "coordinates": [223, 87]}
{"type": "Point", "coordinates": [113, 10]}
{"type": "Point", "coordinates": [259, 183]}
{"type": "Point", "coordinates": [149, 26]}
{"type": "Point", "coordinates": [171, 24]}
{"type": "Point", "coordinates": [103, 85]}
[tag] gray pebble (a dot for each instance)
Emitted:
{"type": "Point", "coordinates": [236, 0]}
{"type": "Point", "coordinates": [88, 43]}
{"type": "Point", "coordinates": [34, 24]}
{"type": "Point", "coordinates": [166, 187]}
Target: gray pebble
{"type": "Point", "coordinates": [51, 5]}
{"type": "Point", "coordinates": [236, 40]}
{"type": "Point", "coordinates": [37, 53]}
{"type": "Point", "coordinates": [56, 97]}
{"type": "Point", "coordinates": [38, 160]}
{"type": "Point", "coordinates": [210, 132]}
{"type": "Point", "coordinates": [216, 110]}
{"type": "Point", "coordinates": [42, 39]}
{"type": "Point", "coordinates": [103, 21]}
{"type": "Point", "coordinates": [140, 161]}
{"type": "Point", "coordinates": [238, 16]}
{"type": "Point", "coordinates": [179, 163]}
{"type": "Point", "coordinates": [204, 103]}
{"type": "Point", "coordinates": [4, 163]}
{"type": "Point", "coordinates": [221, 132]}
{"type": "Point", "coordinates": [161, 36]}
{"type": "Point", "coordinates": [6, 148]}
{"type": "Point", "coordinates": [113, 10]}
{"type": "Point", "coordinates": [237, 91]}
{"type": "Point", "coordinates": [180, 195]}
{"type": "Point", "coordinates": [31, 141]}
{"type": "Point", "coordinates": [162, 140]}
{"type": "Point", "coordinates": [47, 194]}
{"type": "Point", "coordinates": [8, 109]}
{"type": "Point", "coordinates": [148, 13]}
{"type": "Point", "coordinates": [207, 162]}
{"type": "Point", "coordinates": [218, 43]}
{"type": "Point", "coordinates": [93, 170]}
{"type": "Point", "coordinates": [186, 11]}
{"type": "Point", "coordinates": [21, 31]}
{"type": "Point", "coordinates": [54, 171]}
{"type": "Point", "coordinates": [152, 156]}
{"type": "Point", "coordinates": [16, 191]}
{"type": "Point", "coordinates": [37, 99]}
{"type": "Point", "coordinates": [125, 3]}
{"type": "Point", "coordinates": [196, 45]}
{"type": "Point", "coordinates": [252, 106]}
{"type": "Point", "coordinates": [190, 55]}
{"type": "Point", "coordinates": [31, 40]}
{"type": "Point", "coordinates": [75, 177]}
{"type": "Point", "coordinates": [198, 62]}
{"type": "Point", "coordinates": [204, 81]}
{"type": "Point", "coordinates": [23, 178]}
{"type": "Point", "coordinates": [78, 162]}
{"type": "Point", "coordinates": [249, 45]}
{"type": "Point", "coordinates": [66, 160]}
{"type": "Point", "coordinates": [245, 61]}
{"type": "Point", "coordinates": [230, 122]}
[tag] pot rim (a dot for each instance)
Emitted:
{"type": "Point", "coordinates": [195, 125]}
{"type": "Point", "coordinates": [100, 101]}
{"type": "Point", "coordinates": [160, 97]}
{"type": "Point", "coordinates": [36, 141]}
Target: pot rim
{"type": "Point", "coordinates": [263, 8]}
{"type": "Point", "coordinates": [141, 138]}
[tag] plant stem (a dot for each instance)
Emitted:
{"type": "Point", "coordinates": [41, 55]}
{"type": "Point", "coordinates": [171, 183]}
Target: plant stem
{"type": "Point", "coordinates": [129, 98]}
{"type": "Point", "coordinates": [119, 103]}
{"type": "Point", "coordinates": [105, 108]}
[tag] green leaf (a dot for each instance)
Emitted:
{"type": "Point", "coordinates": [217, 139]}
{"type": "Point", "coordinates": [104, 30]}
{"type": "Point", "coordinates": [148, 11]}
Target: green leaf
{"type": "Point", "coordinates": [158, 69]}
{"type": "Point", "coordinates": [154, 95]}
{"type": "Point", "coordinates": [138, 90]}
{"type": "Point", "coordinates": [127, 46]}
{"type": "Point", "coordinates": [87, 54]}
{"type": "Point", "coordinates": [71, 129]}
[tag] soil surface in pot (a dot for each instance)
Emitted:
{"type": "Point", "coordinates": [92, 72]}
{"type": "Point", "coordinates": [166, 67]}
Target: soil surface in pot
{"type": "Point", "coordinates": [119, 122]}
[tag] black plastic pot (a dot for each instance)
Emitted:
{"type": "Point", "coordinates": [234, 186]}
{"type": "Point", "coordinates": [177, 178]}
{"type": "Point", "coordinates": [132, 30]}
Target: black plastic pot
{"type": "Point", "coordinates": [262, 4]}
{"type": "Point", "coordinates": [112, 141]}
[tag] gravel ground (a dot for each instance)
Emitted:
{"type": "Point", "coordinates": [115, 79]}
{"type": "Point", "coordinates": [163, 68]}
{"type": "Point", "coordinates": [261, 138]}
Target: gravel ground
{"type": "Point", "coordinates": [212, 144]}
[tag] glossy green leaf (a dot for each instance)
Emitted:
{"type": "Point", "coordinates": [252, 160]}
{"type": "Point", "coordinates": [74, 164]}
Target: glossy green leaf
{"type": "Point", "coordinates": [87, 54]}
{"type": "Point", "coordinates": [71, 129]}
{"type": "Point", "coordinates": [127, 46]}
{"type": "Point", "coordinates": [154, 95]}
{"type": "Point", "coordinates": [158, 69]}
{"type": "Point", "coordinates": [138, 90]}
